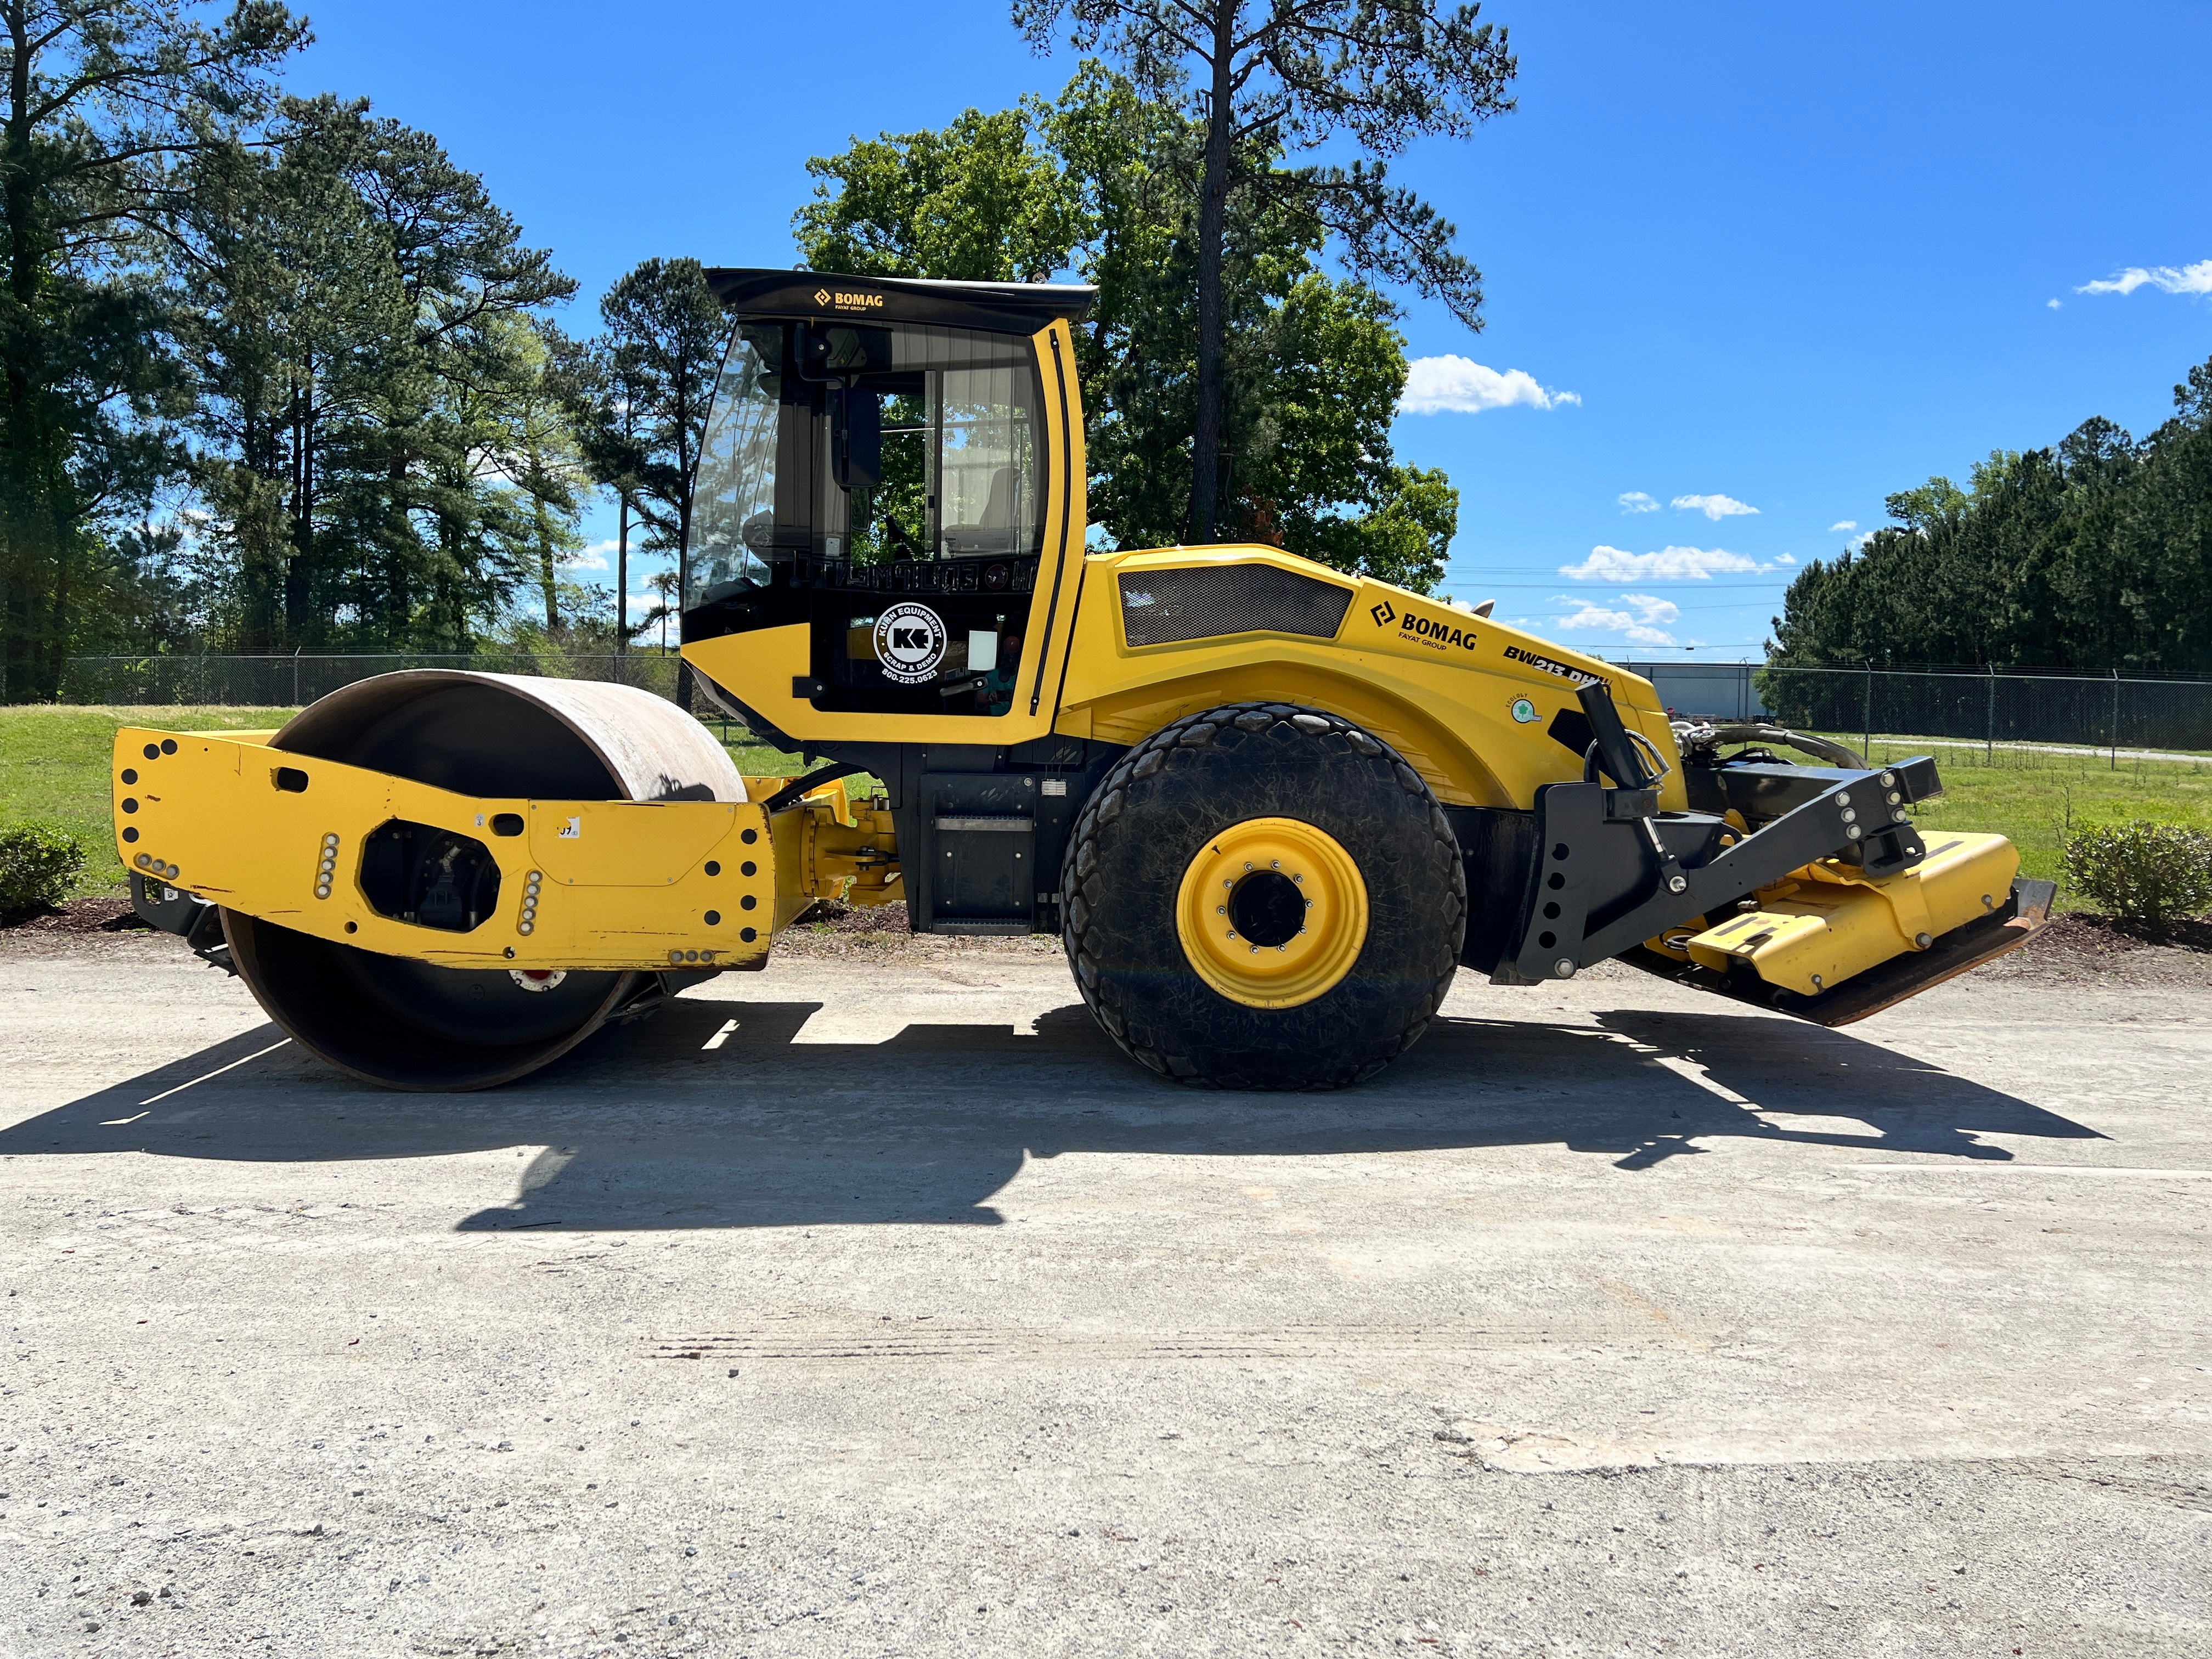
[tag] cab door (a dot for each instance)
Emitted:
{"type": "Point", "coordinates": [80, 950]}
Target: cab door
{"type": "Point", "coordinates": [887, 531]}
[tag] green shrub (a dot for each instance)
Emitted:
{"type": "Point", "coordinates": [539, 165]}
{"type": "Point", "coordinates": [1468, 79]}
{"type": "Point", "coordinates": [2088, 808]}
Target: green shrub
{"type": "Point", "coordinates": [38, 864]}
{"type": "Point", "coordinates": [2144, 871]}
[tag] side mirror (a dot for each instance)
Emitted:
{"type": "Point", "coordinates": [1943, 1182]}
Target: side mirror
{"type": "Point", "coordinates": [856, 438]}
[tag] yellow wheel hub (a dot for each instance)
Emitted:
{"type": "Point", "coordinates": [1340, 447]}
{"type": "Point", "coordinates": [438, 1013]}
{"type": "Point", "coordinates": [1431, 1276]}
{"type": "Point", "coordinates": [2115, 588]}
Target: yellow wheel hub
{"type": "Point", "coordinates": [1271, 913]}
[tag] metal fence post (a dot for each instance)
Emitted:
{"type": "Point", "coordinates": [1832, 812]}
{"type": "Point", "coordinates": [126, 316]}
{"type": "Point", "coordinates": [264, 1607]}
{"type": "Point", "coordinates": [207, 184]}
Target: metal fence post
{"type": "Point", "coordinates": [1989, 741]}
{"type": "Point", "coordinates": [1867, 751]}
{"type": "Point", "coordinates": [2116, 719]}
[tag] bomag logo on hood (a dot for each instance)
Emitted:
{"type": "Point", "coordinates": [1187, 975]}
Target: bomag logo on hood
{"type": "Point", "coordinates": [840, 300]}
{"type": "Point", "coordinates": [1438, 633]}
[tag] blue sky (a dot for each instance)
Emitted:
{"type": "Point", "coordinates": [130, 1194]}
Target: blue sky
{"type": "Point", "coordinates": [1777, 257]}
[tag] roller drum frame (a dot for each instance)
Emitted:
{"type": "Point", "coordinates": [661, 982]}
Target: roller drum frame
{"type": "Point", "coordinates": [408, 1024]}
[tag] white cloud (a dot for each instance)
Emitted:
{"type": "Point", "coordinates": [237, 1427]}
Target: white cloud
{"type": "Point", "coordinates": [1843, 524]}
{"type": "Point", "coordinates": [1613, 564]}
{"type": "Point", "coordinates": [1785, 558]}
{"type": "Point", "coordinates": [2053, 304]}
{"type": "Point", "coordinates": [597, 556]}
{"type": "Point", "coordinates": [1635, 501]}
{"type": "Point", "coordinates": [1714, 508]}
{"type": "Point", "coordinates": [1858, 541]}
{"type": "Point", "coordinates": [2189, 279]}
{"type": "Point", "coordinates": [1649, 608]}
{"type": "Point", "coordinates": [1434, 385]}
{"type": "Point", "coordinates": [1640, 622]}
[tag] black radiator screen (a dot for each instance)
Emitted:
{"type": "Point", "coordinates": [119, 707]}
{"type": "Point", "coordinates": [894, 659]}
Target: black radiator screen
{"type": "Point", "coordinates": [1159, 607]}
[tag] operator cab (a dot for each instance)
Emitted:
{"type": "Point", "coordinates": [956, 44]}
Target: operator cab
{"type": "Point", "coordinates": [877, 465]}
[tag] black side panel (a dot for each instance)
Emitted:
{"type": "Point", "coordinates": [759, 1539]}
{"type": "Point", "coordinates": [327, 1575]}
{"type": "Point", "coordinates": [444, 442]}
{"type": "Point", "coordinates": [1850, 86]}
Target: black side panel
{"type": "Point", "coordinates": [981, 873]}
{"type": "Point", "coordinates": [981, 831]}
{"type": "Point", "coordinates": [1159, 607]}
{"type": "Point", "coordinates": [1498, 846]}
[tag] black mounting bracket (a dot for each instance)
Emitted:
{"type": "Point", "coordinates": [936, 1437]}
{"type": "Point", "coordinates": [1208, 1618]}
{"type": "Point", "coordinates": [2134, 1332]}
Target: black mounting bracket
{"type": "Point", "coordinates": [192, 918]}
{"type": "Point", "coordinates": [1610, 870]}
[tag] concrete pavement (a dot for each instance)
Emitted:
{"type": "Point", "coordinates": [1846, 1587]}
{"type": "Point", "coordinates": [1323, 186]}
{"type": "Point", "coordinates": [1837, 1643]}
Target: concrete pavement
{"type": "Point", "coordinates": [875, 1305]}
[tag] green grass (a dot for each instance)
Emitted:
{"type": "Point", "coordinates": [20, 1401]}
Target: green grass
{"type": "Point", "coordinates": [54, 761]}
{"type": "Point", "coordinates": [2032, 797]}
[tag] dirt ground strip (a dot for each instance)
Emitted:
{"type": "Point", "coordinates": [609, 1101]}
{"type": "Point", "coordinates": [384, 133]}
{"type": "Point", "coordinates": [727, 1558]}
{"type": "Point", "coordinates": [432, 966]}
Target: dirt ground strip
{"type": "Point", "coordinates": [874, 1305]}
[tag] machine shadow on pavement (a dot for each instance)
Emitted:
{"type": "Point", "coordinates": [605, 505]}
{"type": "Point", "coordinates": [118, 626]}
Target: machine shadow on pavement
{"type": "Point", "coordinates": [715, 1114]}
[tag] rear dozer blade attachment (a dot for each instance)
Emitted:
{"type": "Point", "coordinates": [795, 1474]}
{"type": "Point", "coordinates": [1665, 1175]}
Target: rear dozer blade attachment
{"type": "Point", "coordinates": [1983, 939]}
{"type": "Point", "coordinates": [1806, 889]}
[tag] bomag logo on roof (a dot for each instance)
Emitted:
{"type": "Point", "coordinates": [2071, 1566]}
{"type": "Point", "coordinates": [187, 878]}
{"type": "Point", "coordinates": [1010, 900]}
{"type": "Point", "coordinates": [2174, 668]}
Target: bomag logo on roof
{"type": "Point", "coordinates": [839, 300]}
{"type": "Point", "coordinates": [1435, 632]}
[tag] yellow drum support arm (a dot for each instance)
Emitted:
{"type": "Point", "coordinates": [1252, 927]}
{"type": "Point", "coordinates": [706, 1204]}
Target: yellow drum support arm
{"type": "Point", "coordinates": [581, 884]}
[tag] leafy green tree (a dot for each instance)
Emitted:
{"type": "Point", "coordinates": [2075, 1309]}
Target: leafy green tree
{"type": "Point", "coordinates": [461, 263]}
{"type": "Point", "coordinates": [641, 402]}
{"type": "Point", "coordinates": [2095, 553]}
{"type": "Point", "coordinates": [604, 391]}
{"type": "Point", "coordinates": [1938, 501]}
{"type": "Point", "coordinates": [640, 397]}
{"type": "Point", "coordinates": [1264, 79]}
{"type": "Point", "coordinates": [100, 102]}
{"type": "Point", "coordinates": [551, 474]}
{"type": "Point", "coordinates": [1313, 366]}
{"type": "Point", "coordinates": [508, 474]}
{"type": "Point", "coordinates": [981, 201]}
{"type": "Point", "coordinates": [1323, 466]}
{"type": "Point", "coordinates": [666, 591]}
{"type": "Point", "coordinates": [292, 336]}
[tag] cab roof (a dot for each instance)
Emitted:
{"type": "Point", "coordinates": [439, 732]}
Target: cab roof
{"type": "Point", "coordinates": [1005, 307]}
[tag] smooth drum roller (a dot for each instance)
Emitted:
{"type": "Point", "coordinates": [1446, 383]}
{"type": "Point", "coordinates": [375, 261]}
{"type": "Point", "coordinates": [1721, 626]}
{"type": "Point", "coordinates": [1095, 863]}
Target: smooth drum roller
{"type": "Point", "coordinates": [409, 1024]}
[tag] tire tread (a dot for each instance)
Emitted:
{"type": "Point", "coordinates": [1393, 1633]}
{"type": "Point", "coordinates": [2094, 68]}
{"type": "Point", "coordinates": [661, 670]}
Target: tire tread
{"type": "Point", "coordinates": [1084, 900]}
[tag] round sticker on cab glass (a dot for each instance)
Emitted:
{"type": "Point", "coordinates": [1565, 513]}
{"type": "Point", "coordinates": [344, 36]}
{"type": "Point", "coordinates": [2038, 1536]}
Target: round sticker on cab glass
{"type": "Point", "coordinates": [910, 642]}
{"type": "Point", "coordinates": [1523, 710]}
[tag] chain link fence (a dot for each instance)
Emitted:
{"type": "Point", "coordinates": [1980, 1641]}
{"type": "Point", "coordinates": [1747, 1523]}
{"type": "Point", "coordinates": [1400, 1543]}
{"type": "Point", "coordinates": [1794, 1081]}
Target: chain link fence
{"type": "Point", "coordinates": [2109, 712]}
{"type": "Point", "coordinates": [2117, 713]}
{"type": "Point", "coordinates": [295, 681]}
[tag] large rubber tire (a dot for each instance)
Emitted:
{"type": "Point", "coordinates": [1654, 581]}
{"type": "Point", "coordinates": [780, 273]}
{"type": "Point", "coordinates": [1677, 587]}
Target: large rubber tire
{"type": "Point", "coordinates": [1151, 817]}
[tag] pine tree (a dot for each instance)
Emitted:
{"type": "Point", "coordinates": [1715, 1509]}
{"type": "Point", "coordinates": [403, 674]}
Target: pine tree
{"type": "Point", "coordinates": [1263, 80]}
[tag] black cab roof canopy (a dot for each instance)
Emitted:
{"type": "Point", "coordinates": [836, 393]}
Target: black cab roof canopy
{"type": "Point", "coordinates": [1003, 307]}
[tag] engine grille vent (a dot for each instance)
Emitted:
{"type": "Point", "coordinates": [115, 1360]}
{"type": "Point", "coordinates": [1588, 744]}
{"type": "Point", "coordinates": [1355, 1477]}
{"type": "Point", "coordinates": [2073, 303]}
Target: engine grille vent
{"type": "Point", "coordinates": [1160, 607]}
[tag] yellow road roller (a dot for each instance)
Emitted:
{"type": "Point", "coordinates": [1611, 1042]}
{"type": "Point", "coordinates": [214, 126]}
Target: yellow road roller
{"type": "Point", "coordinates": [1271, 809]}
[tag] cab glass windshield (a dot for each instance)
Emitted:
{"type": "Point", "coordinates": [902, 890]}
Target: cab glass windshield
{"type": "Point", "coordinates": [733, 499]}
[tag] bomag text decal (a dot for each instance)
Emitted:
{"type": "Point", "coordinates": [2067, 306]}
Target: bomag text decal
{"type": "Point", "coordinates": [1435, 632]}
{"type": "Point", "coordinates": [840, 300]}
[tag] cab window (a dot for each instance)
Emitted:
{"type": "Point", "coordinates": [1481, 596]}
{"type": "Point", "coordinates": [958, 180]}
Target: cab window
{"type": "Point", "coordinates": [956, 413]}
